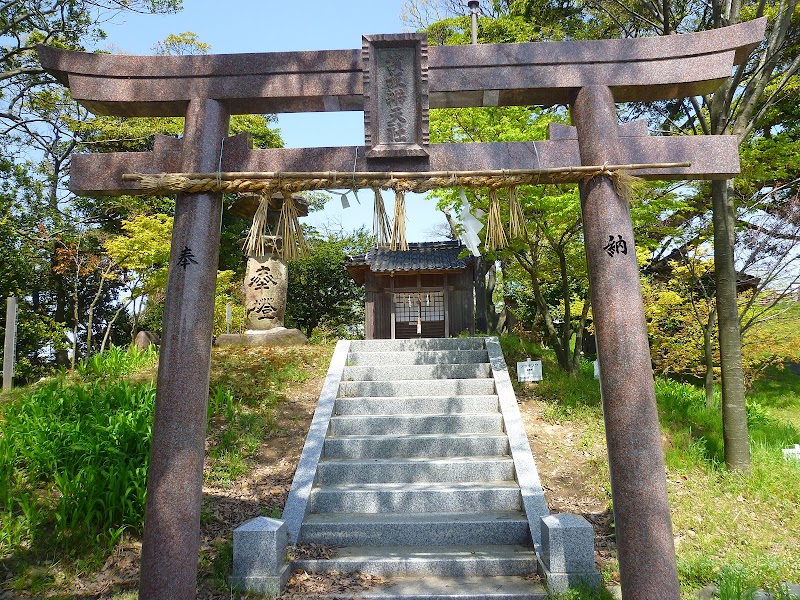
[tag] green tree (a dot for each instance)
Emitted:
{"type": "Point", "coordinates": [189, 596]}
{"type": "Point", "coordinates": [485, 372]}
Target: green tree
{"type": "Point", "coordinates": [739, 107]}
{"type": "Point", "coordinates": [141, 253]}
{"type": "Point", "coordinates": [746, 105]}
{"type": "Point", "coordinates": [68, 232]}
{"type": "Point", "coordinates": [70, 24]}
{"type": "Point", "coordinates": [320, 289]}
{"type": "Point", "coordinates": [545, 267]}
{"type": "Point", "coordinates": [177, 44]}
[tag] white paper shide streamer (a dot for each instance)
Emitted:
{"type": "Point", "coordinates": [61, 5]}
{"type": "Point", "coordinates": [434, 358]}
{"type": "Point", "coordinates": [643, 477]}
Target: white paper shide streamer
{"type": "Point", "coordinates": [471, 226]}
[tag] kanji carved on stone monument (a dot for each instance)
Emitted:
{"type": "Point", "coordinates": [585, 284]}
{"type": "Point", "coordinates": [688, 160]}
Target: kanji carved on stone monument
{"type": "Point", "coordinates": [590, 76]}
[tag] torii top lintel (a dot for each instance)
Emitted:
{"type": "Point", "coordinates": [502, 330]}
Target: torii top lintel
{"type": "Point", "coordinates": [418, 77]}
{"type": "Point", "coordinates": [546, 73]}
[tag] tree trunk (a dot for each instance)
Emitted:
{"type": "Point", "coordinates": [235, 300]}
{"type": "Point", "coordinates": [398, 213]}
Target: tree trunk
{"type": "Point", "coordinates": [566, 327]}
{"type": "Point", "coordinates": [491, 311]}
{"type": "Point", "coordinates": [734, 414]}
{"type": "Point", "coordinates": [562, 353]}
{"type": "Point", "coordinates": [110, 324]}
{"type": "Point", "coordinates": [579, 331]}
{"type": "Point", "coordinates": [480, 296]}
{"type": "Point", "coordinates": [708, 356]}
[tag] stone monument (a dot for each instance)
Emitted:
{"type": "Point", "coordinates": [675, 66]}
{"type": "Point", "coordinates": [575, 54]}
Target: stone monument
{"type": "Point", "coordinates": [266, 282]}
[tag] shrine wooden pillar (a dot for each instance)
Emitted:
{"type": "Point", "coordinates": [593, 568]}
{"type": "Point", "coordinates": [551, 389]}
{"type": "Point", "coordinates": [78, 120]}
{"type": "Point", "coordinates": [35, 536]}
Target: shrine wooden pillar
{"type": "Point", "coordinates": [175, 477]}
{"type": "Point", "coordinates": [645, 545]}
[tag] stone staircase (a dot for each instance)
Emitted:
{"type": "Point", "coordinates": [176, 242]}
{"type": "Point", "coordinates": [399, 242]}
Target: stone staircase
{"type": "Point", "coordinates": [416, 479]}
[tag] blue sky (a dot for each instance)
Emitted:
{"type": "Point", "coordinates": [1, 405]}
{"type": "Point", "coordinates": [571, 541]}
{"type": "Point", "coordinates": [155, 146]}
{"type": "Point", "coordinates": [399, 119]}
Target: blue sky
{"type": "Point", "coordinates": [233, 26]}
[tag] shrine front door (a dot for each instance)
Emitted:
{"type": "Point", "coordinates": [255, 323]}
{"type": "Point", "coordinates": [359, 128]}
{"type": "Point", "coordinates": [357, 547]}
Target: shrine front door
{"type": "Point", "coordinates": [420, 314]}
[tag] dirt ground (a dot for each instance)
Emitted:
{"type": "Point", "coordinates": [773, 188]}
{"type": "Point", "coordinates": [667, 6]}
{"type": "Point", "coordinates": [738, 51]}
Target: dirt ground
{"type": "Point", "coordinates": [572, 465]}
{"type": "Point", "coordinates": [565, 456]}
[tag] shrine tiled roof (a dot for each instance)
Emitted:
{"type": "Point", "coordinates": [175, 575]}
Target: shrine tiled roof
{"type": "Point", "coordinates": [422, 256]}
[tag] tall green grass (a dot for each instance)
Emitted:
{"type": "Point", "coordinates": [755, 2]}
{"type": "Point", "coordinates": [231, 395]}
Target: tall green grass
{"type": "Point", "coordinates": [738, 530]}
{"type": "Point", "coordinates": [73, 457]}
{"type": "Point", "coordinates": [684, 411]}
{"type": "Point", "coordinates": [116, 362]}
{"type": "Point", "coordinates": [74, 451]}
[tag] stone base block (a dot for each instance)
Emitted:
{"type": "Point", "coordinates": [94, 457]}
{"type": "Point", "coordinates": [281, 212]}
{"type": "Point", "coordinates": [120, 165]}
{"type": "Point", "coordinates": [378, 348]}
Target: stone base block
{"type": "Point", "coordinates": [280, 336]}
{"type": "Point", "coordinates": [567, 558]}
{"type": "Point", "coordinates": [260, 564]}
{"type": "Point", "coordinates": [560, 583]}
{"type": "Point", "coordinates": [266, 586]}
{"type": "Point", "coordinates": [567, 543]}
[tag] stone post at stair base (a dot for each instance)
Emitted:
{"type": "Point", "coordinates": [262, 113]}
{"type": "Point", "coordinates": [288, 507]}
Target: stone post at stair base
{"type": "Point", "coordinates": [567, 559]}
{"type": "Point", "coordinates": [260, 563]}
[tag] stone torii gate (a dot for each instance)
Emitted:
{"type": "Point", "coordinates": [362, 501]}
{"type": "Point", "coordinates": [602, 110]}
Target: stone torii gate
{"type": "Point", "coordinates": [394, 79]}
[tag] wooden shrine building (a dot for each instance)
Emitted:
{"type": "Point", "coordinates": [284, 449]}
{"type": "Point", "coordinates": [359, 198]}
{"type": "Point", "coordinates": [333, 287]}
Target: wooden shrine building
{"type": "Point", "coordinates": [426, 291]}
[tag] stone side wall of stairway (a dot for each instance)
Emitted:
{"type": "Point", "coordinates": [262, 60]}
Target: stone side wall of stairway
{"type": "Point", "coordinates": [419, 471]}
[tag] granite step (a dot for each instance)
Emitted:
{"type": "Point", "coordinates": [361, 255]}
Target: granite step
{"type": "Point", "coordinates": [419, 345]}
{"type": "Point", "coordinates": [405, 424]}
{"type": "Point", "coordinates": [418, 387]}
{"type": "Point", "coordinates": [416, 529]}
{"type": "Point", "coordinates": [390, 372]}
{"type": "Point", "coordinates": [453, 588]}
{"type": "Point", "coordinates": [411, 470]}
{"type": "Point", "coordinates": [455, 497]}
{"type": "Point", "coordinates": [393, 405]}
{"type": "Point", "coordinates": [416, 446]}
{"type": "Point", "coordinates": [416, 483]}
{"type": "Point", "coordinates": [440, 561]}
{"type": "Point", "coordinates": [426, 357]}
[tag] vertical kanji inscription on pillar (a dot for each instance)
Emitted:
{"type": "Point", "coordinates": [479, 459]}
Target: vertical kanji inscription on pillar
{"type": "Point", "coordinates": [395, 95]}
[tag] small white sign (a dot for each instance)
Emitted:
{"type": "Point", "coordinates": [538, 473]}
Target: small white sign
{"type": "Point", "coordinates": [792, 453]}
{"type": "Point", "coordinates": [530, 370]}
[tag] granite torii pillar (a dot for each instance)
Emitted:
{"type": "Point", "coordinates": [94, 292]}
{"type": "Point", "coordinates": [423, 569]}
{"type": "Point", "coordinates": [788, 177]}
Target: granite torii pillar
{"type": "Point", "coordinates": [589, 75]}
{"type": "Point", "coordinates": [645, 546]}
{"type": "Point", "coordinates": [175, 476]}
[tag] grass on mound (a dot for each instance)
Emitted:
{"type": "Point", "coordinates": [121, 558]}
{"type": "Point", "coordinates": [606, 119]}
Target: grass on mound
{"type": "Point", "coordinates": [74, 451]}
{"type": "Point", "coordinates": [731, 529]}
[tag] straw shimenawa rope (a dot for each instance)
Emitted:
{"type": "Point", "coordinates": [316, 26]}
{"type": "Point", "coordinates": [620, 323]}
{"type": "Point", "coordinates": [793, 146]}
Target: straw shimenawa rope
{"type": "Point", "coordinates": [516, 220]}
{"type": "Point", "coordinates": [623, 182]}
{"type": "Point", "coordinates": [411, 181]}
{"type": "Point", "coordinates": [255, 243]}
{"type": "Point", "coordinates": [289, 233]}
{"type": "Point", "coordinates": [381, 227]}
{"type": "Point", "coordinates": [294, 245]}
{"type": "Point", "coordinates": [399, 241]}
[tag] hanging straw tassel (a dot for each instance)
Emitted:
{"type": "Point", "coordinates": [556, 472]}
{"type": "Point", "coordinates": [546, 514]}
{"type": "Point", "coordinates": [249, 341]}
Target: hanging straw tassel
{"type": "Point", "coordinates": [516, 220]}
{"type": "Point", "coordinates": [294, 243]}
{"type": "Point", "coordinates": [624, 183]}
{"type": "Point", "coordinates": [495, 235]}
{"type": "Point", "coordinates": [399, 241]}
{"type": "Point", "coordinates": [254, 244]}
{"type": "Point", "coordinates": [381, 227]}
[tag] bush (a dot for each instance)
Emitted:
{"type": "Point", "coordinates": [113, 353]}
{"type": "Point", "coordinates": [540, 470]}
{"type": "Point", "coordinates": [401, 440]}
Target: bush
{"type": "Point", "coordinates": [116, 362]}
